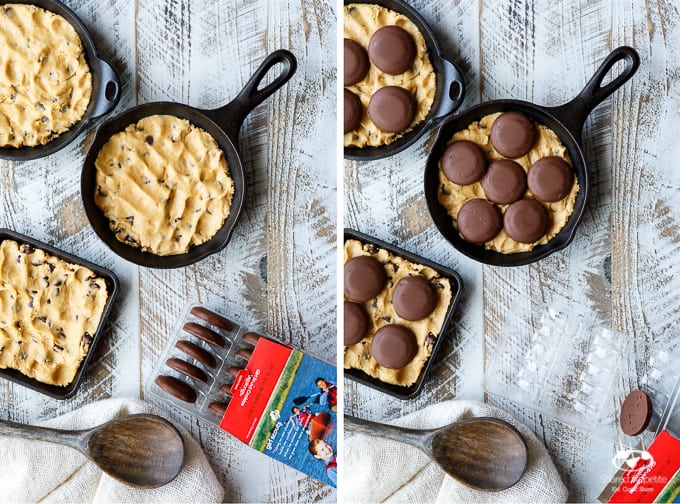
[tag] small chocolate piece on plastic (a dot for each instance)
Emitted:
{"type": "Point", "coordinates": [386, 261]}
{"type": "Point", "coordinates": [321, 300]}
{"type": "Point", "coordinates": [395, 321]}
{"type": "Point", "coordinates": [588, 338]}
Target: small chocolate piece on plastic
{"type": "Point", "coordinates": [636, 412]}
{"type": "Point", "coordinates": [233, 370]}
{"type": "Point", "coordinates": [187, 369]}
{"type": "Point", "coordinates": [251, 337]}
{"type": "Point", "coordinates": [204, 333]}
{"type": "Point", "coordinates": [219, 408]}
{"type": "Point", "coordinates": [244, 353]}
{"type": "Point", "coordinates": [176, 388]}
{"type": "Point", "coordinates": [225, 388]}
{"type": "Point", "coordinates": [198, 353]}
{"type": "Point", "coordinates": [212, 318]}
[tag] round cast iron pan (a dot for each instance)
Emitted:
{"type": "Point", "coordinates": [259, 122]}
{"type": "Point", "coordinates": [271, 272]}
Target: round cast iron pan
{"type": "Point", "coordinates": [448, 96]}
{"type": "Point", "coordinates": [105, 88]}
{"type": "Point", "coordinates": [223, 124]}
{"type": "Point", "coordinates": [566, 121]}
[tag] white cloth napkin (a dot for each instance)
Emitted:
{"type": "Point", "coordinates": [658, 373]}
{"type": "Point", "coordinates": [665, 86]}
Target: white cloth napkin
{"type": "Point", "coordinates": [33, 471]}
{"type": "Point", "coordinates": [378, 470]}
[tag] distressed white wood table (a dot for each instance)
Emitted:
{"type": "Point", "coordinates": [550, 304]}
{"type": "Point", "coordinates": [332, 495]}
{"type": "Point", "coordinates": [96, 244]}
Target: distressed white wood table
{"type": "Point", "coordinates": [545, 51]}
{"type": "Point", "coordinates": [278, 272]}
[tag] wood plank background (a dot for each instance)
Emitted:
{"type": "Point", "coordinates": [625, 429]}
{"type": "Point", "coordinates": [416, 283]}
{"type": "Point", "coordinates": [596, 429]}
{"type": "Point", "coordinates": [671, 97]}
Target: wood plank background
{"type": "Point", "coordinates": [278, 272]}
{"type": "Point", "coordinates": [623, 262]}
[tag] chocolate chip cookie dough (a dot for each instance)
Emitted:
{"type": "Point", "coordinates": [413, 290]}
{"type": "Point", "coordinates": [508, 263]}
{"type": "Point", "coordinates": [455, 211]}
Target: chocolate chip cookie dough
{"type": "Point", "coordinates": [410, 350]}
{"type": "Point", "coordinates": [45, 82]}
{"type": "Point", "coordinates": [545, 144]}
{"type": "Point", "coordinates": [163, 184]}
{"type": "Point", "coordinates": [49, 312]}
{"type": "Point", "coordinates": [362, 21]}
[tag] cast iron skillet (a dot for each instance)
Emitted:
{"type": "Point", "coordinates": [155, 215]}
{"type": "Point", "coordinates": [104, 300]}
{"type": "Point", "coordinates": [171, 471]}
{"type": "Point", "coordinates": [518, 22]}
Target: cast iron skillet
{"type": "Point", "coordinates": [448, 96]}
{"type": "Point", "coordinates": [223, 124]}
{"type": "Point", "coordinates": [105, 88]}
{"type": "Point", "coordinates": [566, 121]}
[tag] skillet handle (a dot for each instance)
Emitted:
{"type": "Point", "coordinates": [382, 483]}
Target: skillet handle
{"type": "Point", "coordinates": [109, 93]}
{"type": "Point", "coordinates": [453, 90]}
{"type": "Point", "coordinates": [231, 116]}
{"type": "Point", "coordinates": [573, 114]}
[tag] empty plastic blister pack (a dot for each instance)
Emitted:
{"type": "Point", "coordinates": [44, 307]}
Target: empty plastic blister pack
{"type": "Point", "coordinates": [275, 398]}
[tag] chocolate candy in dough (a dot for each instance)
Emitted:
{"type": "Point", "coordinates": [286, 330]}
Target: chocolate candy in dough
{"type": "Point", "coordinates": [550, 179]}
{"type": "Point", "coordinates": [636, 411]}
{"type": "Point", "coordinates": [392, 109]}
{"type": "Point", "coordinates": [505, 181]}
{"type": "Point", "coordinates": [356, 321]}
{"type": "Point", "coordinates": [464, 162]}
{"type": "Point", "coordinates": [356, 62]}
{"type": "Point", "coordinates": [392, 49]}
{"type": "Point", "coordinates": [364, 277]}
{"type": "Point", "coordinates": [479, 221]}
{"type": "Point", "coordinates": [526, 220]}
{"type": "Point", "coordinates": [393, 346]}
{"type": "Point", "coordinates": [414, 298]}
{"type": "Point", "coordinates": [352, 111]}
{"type": "Point", "coordinates": [512, 134]}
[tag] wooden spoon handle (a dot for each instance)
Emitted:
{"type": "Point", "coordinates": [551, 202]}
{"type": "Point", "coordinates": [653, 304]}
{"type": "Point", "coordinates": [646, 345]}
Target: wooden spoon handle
{"type": "Point", "coordinates": [417, 438]}
{"type": "Point", "coordinates": [69, 438]}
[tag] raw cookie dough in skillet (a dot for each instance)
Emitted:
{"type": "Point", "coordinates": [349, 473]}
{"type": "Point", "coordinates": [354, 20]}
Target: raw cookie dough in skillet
{"type": "Point", "coordinates": [163, 184]}
{"type": "Point", "coordinates": [452, 196]}
{"type": "Point", "coordinates": [45, 82]}
{"type": "Point", "coordinates": [361, 21]}
{"type": "Point", "coordinates": [50, 310]}
{"type": "Point", "coordinates": [381, 312]}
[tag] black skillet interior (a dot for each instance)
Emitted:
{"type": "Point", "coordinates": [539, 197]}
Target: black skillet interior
{"type": "Point", "coordinates": [448, 97]}
{"type": "Point", "coordinates": [566, 121]}
{"type": "Point", "coordinates": [112, 287]}
{"type": "Point", "coordinates": [223, 124]}
{"type": "Point", "coordinates": [456, 290]}
{"type": "Point", "coordinates": [105, 88]}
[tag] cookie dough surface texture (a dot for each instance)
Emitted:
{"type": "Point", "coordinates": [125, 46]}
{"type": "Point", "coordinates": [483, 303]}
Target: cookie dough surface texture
{"type": "Point", "coordinates": [49, 312]}
{"type": "Point", "coordinates": [361, 21]}
{"type": "Point", "coordinates": [45, 82]}
{"type": "Point", "coordinates": [163, 184]}
{"type": "Point", "coordinates": [452, 196]}
{"type": "Point", "coordinates": [381, 313]}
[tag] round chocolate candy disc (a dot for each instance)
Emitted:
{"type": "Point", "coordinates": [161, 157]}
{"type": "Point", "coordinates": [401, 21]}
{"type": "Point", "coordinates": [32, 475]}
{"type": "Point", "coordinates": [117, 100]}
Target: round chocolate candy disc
{"type": "Point", "coordinates": [464, 162]}
{"type": "Point", "coordinates": [356, 323]}
{"type": "Point", "coordinates": [353, 110]}
{"type": "Point", "coordinates": [550, 179]}
{"type": "Point", "coordinates": [636, 411]}
{"type": "Point", "coordinates": [414, 298]}
{"type": "Point", "coordinates": [479, 221]}
{"type": "Point", "coordinates": [526, 220]}
{"type": "Point", "coordinates": [356, 62]}
{"type": "Point", "coordinates": [392, 108]}
{"type": "Point", "coordinates": [392, 49]}
{"type": "Point", "coordinates": [394, 346]}
{"type": "Point", "coordinates": [505, 181]}
{"type": "Point", "coordinates": [365, 278]}
{"type": "Point", "coordinates": [512, 134]}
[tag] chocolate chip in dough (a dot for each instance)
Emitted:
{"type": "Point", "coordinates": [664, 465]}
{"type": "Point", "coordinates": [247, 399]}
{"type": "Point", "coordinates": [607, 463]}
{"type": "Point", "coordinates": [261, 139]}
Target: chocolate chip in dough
{"type": "Point", "coordinates": [392, 109]}
{"type": "Point", "coordinates": [505, 181]}
{"type": "Point", "coordinates": [392, 49]}
{"type": "Point", "coordinates": [636, 411]}
{"type": "Point", "coordinates": [352, 110]}
{"type": "Point", "coordinates": [364, 277]}
{"type": "Point", "coordinates": [479, 221]}
{"type": "Point", "coordinates": [356, 321]}
{"type": "Point", "coordinates": [414, 298]}
{"type": "Point", "coordinates": [512, 134]}
{"type": "Point", "coordinates": [176, 388]}
{"type": "Point", "coordinates": [464, 162]}
{"type": "Point", "coordinates": [393, 346]}
{"type": "Point", "coordinates": [526, 220]}
{"type": "Point", "coordinates": [550, 179]}
{"type": "Point", "coordinates": [356, 62]}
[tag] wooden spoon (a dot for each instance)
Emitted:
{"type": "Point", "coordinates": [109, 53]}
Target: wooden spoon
{"type": "Point", "coordinates": [142, 450]}
{"type": "Point", "coordinates": [484, 453]}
